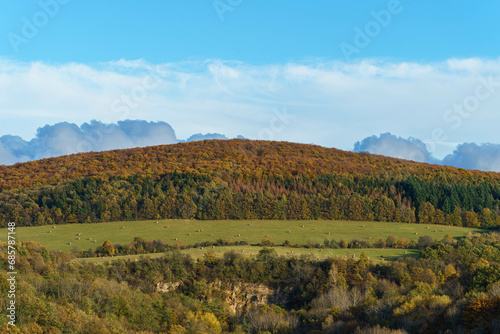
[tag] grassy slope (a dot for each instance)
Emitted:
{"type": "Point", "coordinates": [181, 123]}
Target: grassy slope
{"type": "Point", "coordinates": [253, 232]}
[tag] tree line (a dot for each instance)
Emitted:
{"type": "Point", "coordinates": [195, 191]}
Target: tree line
{"type": "Point", "coordinates": [141, 246]}
{"type": "Point", "coordinates": [195, 196]}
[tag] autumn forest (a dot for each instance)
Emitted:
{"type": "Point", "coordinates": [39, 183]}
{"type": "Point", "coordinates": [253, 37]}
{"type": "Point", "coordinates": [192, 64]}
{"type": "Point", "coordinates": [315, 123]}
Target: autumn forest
{"type": "Point", "coordinates": [449, 285]}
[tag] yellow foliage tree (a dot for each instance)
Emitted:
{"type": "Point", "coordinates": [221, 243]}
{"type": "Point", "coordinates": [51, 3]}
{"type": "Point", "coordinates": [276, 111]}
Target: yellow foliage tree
{"type": "Point", "coordinates": [107, 248]}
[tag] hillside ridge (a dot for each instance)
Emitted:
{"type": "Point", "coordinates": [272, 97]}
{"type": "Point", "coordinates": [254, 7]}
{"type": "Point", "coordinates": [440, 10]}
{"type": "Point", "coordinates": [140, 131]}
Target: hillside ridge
{"type": "Point", "coordinates": [209, 156]}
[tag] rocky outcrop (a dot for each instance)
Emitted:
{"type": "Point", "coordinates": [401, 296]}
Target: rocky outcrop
{"type": "Point", "coordinates": [238, 296]}
{"type": "Point", "coordinates": [165, 287]}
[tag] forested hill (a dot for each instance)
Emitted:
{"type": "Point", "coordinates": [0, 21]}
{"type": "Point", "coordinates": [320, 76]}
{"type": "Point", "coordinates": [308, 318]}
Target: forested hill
{"type": "Point", "coordinates": [238, 158]}
{"type": "Point", "coordinates": [241, 179]}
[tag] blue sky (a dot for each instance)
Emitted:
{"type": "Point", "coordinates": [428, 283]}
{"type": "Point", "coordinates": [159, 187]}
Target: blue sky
{"type": "Point", "coordinates": [257, 31]}
{"type": "Point", "coordinates": [325, 72]}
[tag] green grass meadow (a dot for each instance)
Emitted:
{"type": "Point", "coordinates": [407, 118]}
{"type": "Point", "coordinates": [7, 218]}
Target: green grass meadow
{"type": "Point", "coordinates": [85, 236]}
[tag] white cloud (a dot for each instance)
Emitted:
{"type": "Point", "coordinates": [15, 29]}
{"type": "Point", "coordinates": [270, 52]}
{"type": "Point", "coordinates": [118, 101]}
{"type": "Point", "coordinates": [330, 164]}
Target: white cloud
{"type": "Point", "coordinates": [484, 157]}
{"type": "Point", "coordinates": [68, 138]}
{"type": "Point", "coordinates": [397, 147]}
{"type": "Point", "coordinates": [7, 157]}
{"type": "Point", "coordinates": [473, 156]}
{"type": "Point", "coordinates": [199, 136]}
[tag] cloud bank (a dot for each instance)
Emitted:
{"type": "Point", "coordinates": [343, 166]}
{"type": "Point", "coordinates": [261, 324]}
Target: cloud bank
{"type": "Point", "coordinates": [472, 156]}
{"type": "Point", "coordinates": [485, 157]}
{"type": "Point", "coordinates": [334, 103]}
{"type": "Point", "coordinates": [68, 138]}
{"type": "Point", "coordinates": [199, 136]}
{"type": "Point", "coordinates": [396, 147]}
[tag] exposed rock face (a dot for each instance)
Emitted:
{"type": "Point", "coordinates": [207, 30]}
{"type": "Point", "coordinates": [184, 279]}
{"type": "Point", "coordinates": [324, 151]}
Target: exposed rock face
{"type": "Point", "coordinates": [238, 296]}
{"type": "Point", "coordinates": [166, 287]}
